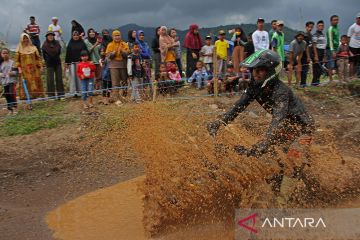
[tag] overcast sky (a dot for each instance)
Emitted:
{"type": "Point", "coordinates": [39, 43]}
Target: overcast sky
{"type": "Point", "coordinates": [174, 13]}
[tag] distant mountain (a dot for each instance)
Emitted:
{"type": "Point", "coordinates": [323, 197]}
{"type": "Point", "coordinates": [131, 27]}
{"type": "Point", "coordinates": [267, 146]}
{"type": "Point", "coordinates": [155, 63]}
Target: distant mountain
{"type": "Point", "coordinates": [248, 28]}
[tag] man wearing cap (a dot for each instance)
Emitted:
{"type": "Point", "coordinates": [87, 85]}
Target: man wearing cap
{"type": "Point", "coordinates": [260, 37]}
{"type": "Point", "coordinates": [297, 48]}
{"type": "Point", "coordinates": [34, 30]}
{"type": "Point", "coordinates": [55, 27]}
{"type": "Point", "coordinates": [222, 47]}
{"type": "Point", "coordinates": [278, 40]}
{"type": "Point", "coordinates": [354, 35]}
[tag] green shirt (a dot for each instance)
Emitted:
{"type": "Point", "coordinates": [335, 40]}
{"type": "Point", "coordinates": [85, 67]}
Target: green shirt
{"type": "Point", "coordinates": [333, 37]}
{"type": "Point", "coordinates": [278, 41]}
{"type": "Point", "coordinates": [95, 53]}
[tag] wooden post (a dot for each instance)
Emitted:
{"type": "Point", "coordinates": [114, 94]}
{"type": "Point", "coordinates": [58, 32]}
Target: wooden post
{"type": "Point", "coordinates": [215, 73]}
{"type": "Point", "coordinates": [154, 89]}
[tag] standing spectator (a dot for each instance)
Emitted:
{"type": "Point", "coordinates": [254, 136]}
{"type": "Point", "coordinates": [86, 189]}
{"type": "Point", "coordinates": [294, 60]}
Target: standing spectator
{"type": "Point", "coordinates": [56, 29]}
{"type": "Point", "coordinates": [193, 44]}
{"type": "Point", "coordinates": [28, 62]}
{"type": "Point", "coordinates": [306, 57]}
{"type": "Point", "coordinates": [343, 54]}
{"type": "Point", "coordinates": [260, 37]}
{"type": "Point", "coordinates": [145, 53]}
{"type": "Point", "coordinates": [222, 47]}
{"type": "Point", "coordinates": [297, 49]}
{"type": "Point", "coordinates": [8, 79]}
{"type": "Point", "coordinates": [156, 52]}
{"type": "Point", "coordinates": [86, 72]}
{"type": "Point", "coordinates": [51, 50]}
{"type": "Point", "coordinates": [75, 26]}
{"type": "Point", "coordinates": [117, 51]}
{"type": "Point", "coordinates": [33, 30]}
{"type": "Point", "coordinates": [93, 44]}
{"type": "Point", "coordinates": [72, 58]}
{"type": "Point", "coordinates": [332, 38]}
{"type": "Point", "coordinates": [249, 46]}
{"type": "Point", "coordinates": [273, 28]}
{"type": "Point", "coordinates": [131, 38]}
{"type": "Point", "coordinates": [278, 40]}
{"type": "Point", "coordinates": [319, 39]}
{"type": "Point", "coordinates": [173, 34]}
{"type": "Point", "coordinates": [136, 72]}
{"type": "Point", "coordinates": [207, 52]}
{"type": "Point", "coordinates": [354, 35]}
{"type": "Point", "coordinates": [167, 47]}
{"type": "Point", "coordinates": [239, 39]}
{"type": "Point", "coordinates": [106, 39]}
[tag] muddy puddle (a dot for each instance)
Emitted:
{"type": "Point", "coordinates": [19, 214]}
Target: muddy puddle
{"type": "Point", "coordinates": [116, 213]}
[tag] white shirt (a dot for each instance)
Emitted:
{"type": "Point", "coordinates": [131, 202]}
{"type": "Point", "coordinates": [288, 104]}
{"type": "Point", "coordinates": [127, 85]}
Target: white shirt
{"type": "Point", "coordinates": [354, 35]}
{"type": "Point", "coordinates": [57, 30]}
{"type": "Point", "coordinates": [207, 50]}
{"type": "Point", "coordinates": [260, 40]}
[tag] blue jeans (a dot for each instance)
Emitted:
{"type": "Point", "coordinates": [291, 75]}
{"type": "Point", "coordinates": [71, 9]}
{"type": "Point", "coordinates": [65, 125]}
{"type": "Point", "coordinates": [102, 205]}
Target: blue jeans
{"type": "Point", "coordinates": [329, 57]}
{"type": "Point", "coordinates": [87, 88]}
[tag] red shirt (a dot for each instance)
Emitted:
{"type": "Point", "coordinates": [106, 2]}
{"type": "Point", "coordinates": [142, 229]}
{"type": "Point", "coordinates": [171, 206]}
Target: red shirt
{"type": "Point", "coordinates": [85, 70]}
{"type": "Point", "coordinates": [33, 29]}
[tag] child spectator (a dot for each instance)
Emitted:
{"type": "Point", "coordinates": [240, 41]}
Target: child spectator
{"type": "Point", "coordinates": [200, 75]}
{"type": "Point", "coordinates": [86, 73]}
{"type": "Point", "coordinates": [8, 79]}
{"type": "Point", "coordinates": [231, 80]}
{"type": "Point", "coordinates": [136, 72]}
{"type": "Point", "coordinates": [343, 54]}
{"type": "Point", "coordinates": [174, 74]}
{"type": "Point", "coordinates": [207, 53]}
{"type": "Point", "coordinates": [222, 47]}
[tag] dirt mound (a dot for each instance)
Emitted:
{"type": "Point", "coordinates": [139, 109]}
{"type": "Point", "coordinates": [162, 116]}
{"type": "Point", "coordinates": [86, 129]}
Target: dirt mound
{"type": "Point", "coordinates": [186, 178]}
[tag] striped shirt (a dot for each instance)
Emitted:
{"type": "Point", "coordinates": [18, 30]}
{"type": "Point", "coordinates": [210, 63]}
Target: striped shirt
{"type": "Point", "coordinates": [33, 30]}
{"type": "Point", "coordinates": [320, 39]}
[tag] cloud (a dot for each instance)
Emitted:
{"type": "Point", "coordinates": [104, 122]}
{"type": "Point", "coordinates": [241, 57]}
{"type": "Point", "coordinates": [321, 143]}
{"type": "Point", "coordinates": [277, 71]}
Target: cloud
{"type": "Point", "coordinates": [173, 13]}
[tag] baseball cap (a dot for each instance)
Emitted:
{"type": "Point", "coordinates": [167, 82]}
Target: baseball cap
{"type": "Point", "coordinates": [208, 37]}
{"type": "Point", "coordinates": [49, 33]}
{"type": "Point", "coordinates": [222, 32]}
{"type": "Point", "coordinates": [280, 22]}
{"type": "Point", "coordinates": [300, 33]}
{"type": "Point", "coordinates": [260, 20]}
{"type": "Point", "coordinates": [54, 18]}
{"type": "Point", "coordinates": [358, 15]}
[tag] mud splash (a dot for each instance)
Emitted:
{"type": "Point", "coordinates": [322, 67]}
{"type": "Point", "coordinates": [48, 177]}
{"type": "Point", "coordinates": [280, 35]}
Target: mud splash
{"type": "Point", "coordinates": [115, 212]}
{"type": "Point", "coordinates": [188, 181]}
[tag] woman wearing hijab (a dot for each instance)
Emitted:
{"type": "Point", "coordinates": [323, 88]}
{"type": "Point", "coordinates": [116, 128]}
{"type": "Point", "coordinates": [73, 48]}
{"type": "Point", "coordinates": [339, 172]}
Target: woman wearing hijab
{"type": "Point", "coordinates": [117, 52]}
{"type": "Point", "coordinates": [156, 52]}
{"type": "Point", "coordinates": [72, 58]}
{"type": "Point", "coordinates": [106, 39]}
{"type": "Point", "coordinates": [75, 26]}
{"type": "Point", "coordinates": [193, 44]}
{"type": "Point", "coordinates": [145, 53]}
{"type": "Point", "coordinates": [28, 62]}
{"type": "Point", "coordinates": [51, 50]}
{"type": "Point", "coordinates": [239, 38]}
{"type": "Point", "coordinates": [167, 46]}
{"type": "Point", "coordinates": [131, 38]}
{"type": "Point", "coordinates": [93, 44]}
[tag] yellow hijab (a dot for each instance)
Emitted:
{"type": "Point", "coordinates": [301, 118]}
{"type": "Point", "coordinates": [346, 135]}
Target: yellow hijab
{"type": "Point", "coordinates": [21, 48]}
{"type": "Point", "coordinates": [117, 46]}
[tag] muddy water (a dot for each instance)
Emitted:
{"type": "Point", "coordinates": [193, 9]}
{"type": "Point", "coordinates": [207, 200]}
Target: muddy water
{"type": "Point", "coordinates": [112, 213]}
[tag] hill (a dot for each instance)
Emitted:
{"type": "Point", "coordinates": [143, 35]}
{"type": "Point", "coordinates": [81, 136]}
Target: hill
{"type": "Point", "coordinates": [248, 28]}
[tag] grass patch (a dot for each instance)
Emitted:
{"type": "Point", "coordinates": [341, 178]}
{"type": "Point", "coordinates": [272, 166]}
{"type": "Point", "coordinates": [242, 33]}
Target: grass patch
{"type": "Point", "coordinates": [46, 115]}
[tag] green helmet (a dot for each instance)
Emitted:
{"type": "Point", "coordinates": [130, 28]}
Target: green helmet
{"type": "Point", "coordinates": [262, 58]}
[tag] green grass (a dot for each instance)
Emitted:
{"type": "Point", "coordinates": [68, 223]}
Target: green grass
{"type": "Point", "coordinates": [45, 115]}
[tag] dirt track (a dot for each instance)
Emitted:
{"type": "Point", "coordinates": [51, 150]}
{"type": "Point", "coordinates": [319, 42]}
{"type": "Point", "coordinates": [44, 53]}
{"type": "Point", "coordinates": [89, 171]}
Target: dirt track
{"type": "Point", "coordinates": [40, 171]}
